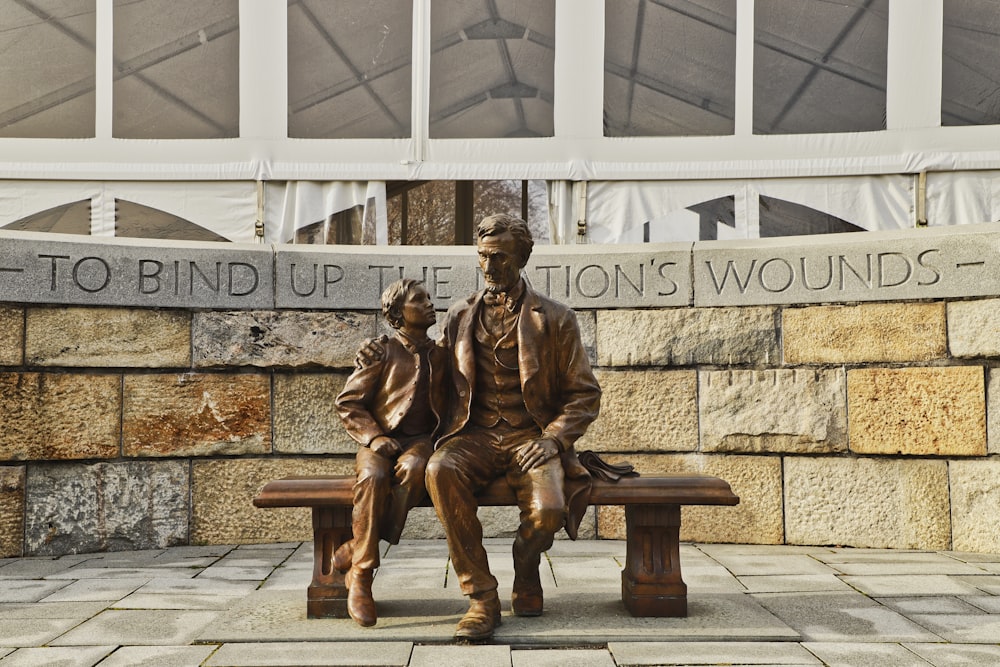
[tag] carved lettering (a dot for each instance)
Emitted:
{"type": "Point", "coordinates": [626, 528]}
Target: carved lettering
{"type": "Point", "coordinates": [604, 280]}
{"type": "Point", "coordinates": [54, 258]}
{"type": "Point", "coordinates": [243, 274]}
{"type": "Point", "coordinates": [781, 283]}
{"type": "Point", "coordinates": [935, 271]}
{"type": "Point", "coordinates": [829, 274]}
{"type": "Point", "coordinates": [80, 274]}
{"type": "Point", "coordinates": [154, 276]}
{"type": "Point", "coordinates": [193, 269]}
{"type": "Point", "coordinates": [742, 283]}
{"type": "Point", "coordinates": [332, 274]}
{"type": "Point", "coordinates": [295, 290]}
{"type": "Point", "coordinates": [673, 285]}
{"type": "Point", "coordinates": [621, 276]}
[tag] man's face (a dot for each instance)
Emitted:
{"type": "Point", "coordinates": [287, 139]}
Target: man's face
{"type": "Point", "coordinates": [499, 261]}
{"type": "Point", "coordinates": [418, 311]}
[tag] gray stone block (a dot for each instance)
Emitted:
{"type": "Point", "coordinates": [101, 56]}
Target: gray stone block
{"type": "Point", "coordinates": [875, 266]}
{"type": "Point", "coordinates": [106, 506]}
{"type": "Point", "coordinates": [57, 268]}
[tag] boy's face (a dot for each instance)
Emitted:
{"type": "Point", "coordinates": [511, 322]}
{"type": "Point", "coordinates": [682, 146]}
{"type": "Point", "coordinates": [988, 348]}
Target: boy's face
{"type": "Point", "coordinates": [418, 311]}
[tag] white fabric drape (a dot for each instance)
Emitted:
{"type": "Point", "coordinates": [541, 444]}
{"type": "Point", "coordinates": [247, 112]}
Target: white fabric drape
{"type": "Point", "coordinates": [292, 205]}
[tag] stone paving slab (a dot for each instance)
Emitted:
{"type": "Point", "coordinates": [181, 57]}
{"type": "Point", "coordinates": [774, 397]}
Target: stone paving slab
{"type": "Point", "coordinates": [125, 573]}
{"type": "Point", "coordinates": [159, 656]}
{"type": "Point", "coordinates": [853, 654]}
{"type": "Point", "coordinates": [953, 655]}
{"type": "Point", "coordinates": [710, 653]}
{"type": "Point", "coordinates": [988, 583]}
{"type": "Point", "coordinates": [138, 627]}
{"type": "Point", "coordinates": [78, 610]}
{"type": "Point", "coordinates": [460, 656]}
{"type": "Point", "coordinates": [910, 584]}
{"type": "Point", "coordinates": [842, 617]}
{"type": "Point", "coordinates": [930, 605]}
{"type": "Point", "coordinates": [69, 656]}
{"type": "Point", "coordinates": [792, 583]}
{"type": "Point", "coordinates": [743, 565]}
{"type": "Point", "coordinates": [31, 590]}
{"type": "Point", "coordinates": [300, 654]}
{"type": "Point", "coordinates": [561, 658]}
{"type": "Point", "coordinates": [176, 601]}
{"type": "Point", "coordinates": [27, 632]}
{"type": "Point", "coordinates": [962, 628]}
{"type": "Point", "coordinates": [571, 618]}
{"type": "Point", "coordinates": [87, 590]}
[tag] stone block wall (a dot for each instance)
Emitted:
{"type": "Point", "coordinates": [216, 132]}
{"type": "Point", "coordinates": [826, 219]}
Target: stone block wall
{"type": "Point", "coordinates": [858, 423]}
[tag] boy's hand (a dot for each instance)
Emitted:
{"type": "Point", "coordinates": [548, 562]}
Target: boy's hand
{"type": "Point", "coordinates": [385, 446]}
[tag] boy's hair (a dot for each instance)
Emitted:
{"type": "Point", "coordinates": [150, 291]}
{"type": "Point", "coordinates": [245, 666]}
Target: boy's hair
{"type": "Point", "coordinates": [393, 298]}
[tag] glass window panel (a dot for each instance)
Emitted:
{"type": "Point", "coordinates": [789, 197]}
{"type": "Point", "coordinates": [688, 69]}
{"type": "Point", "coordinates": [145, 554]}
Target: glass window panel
{"type": "Point", "coordinates": [144, 222]}
{"type": "Point", "coordinates": [669, 68]}
{"type": "Point", "coordinates": [71, 218]}
{"type": "Point", "coordinates": [176, 69]}
{"type": "Point", "coordinates": [349, 68]}
{"type": "Point", "coordinates": [47, 68]}
{"type": "Point", "coordinates": [492, 69]}
{"type": "Point", "coordinates": [819, 66]}
{"type": "Point", "coordinates": [421, 213]}
{"type": "Point", "coordinates": [507, 196]}
{"type": "Point", "coordinates": [970, 85]}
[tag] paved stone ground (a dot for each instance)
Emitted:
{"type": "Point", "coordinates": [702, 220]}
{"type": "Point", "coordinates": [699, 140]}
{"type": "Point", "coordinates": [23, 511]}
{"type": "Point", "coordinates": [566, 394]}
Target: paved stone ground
{"type": "Point", "coordinates": [749, 605]}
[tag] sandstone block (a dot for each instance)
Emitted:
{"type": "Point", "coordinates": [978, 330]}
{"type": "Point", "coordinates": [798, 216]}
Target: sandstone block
{"type": "Point", "coordinates": [889, 332]}
{"type": "Point", "coordinates": [279, 338]}
{"type": "Point", "coordinates": [106, 506]}
{"type": "Point", "coordinates": [975, 496]}
{"type": "Point", "coordinates": [993, 412]}
{"type": "Point", "coordinates": [755, 479]}
{"type": "Point", "coordinates": [11, 336]}
{"type": "Point", "coordinates": [872, 503]}
{"type": "Point", "coordinates": [974, 328]}
{"type": "Point", "coordinates": [650, 411]}
{"type": "Point", "coordinates": [223, 491]}
{"type": "Point", "coordinates": [680, 337]}
{"type": "Point", "coordinates": [196, 414]}
{"type": "Point", "coordinates": [799, 411]}
{"type": "Point", "coordinates": [59, 416]}
{"type": "Point", "coordinates": [305, 419]}
{"type": "Point", "coordinates": [108, 337]}
{"type": "Point", "coordinates": [11, 511]}
{"type": "Point", "coordinates": [917, 411]}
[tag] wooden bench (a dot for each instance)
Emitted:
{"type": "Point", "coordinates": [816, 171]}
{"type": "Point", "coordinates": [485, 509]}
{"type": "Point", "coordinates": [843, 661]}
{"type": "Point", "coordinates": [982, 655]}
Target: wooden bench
{"type": "Point", "coordinates": [651, 580]}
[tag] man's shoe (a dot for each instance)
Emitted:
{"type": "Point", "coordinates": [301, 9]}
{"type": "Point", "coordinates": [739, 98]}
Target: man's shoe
{"type": "Point", "coordinates": [343, 556]}
{"type": "Point", "coordinates": [483, 616]}
{"type": "Point", "coordinates": [526, 598]}
{"type": "Point", "coordinates": [360, 603]}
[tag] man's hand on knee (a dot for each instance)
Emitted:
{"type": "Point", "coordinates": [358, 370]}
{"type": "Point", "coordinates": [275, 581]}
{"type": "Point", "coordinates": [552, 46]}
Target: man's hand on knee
{"type": "Point", "coordinates": [535, 453]}
{"type": "Point", "coordinates": [385, 446]}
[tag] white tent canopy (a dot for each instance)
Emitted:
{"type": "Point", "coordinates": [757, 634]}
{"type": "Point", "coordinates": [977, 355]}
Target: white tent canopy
{"type": "Point", "coordinates": [658, 104]}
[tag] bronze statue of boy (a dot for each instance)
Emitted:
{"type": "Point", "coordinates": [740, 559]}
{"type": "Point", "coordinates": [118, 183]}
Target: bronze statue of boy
{"type": "Point", "coordinates": [392, 407]}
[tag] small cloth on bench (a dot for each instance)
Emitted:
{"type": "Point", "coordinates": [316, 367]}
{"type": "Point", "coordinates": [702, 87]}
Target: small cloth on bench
{"type": "Point", "coordinates": [601, 469]}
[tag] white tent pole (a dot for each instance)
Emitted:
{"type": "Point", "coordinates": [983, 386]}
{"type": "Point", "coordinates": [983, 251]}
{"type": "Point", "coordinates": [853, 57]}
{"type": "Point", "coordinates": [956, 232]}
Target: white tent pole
{"type": "Point", "coordinates": [579, 69]}
{"type": "Point", "coordinates": [914, 64]}
{"type": "Point", "coordinates": [744, 69]}
{"type": "Point", "coordinates": [263, 73]}
{"type": "Point", "coordinates": [104, 62]}
{"type": "Point", "coordinates": [420, 80]}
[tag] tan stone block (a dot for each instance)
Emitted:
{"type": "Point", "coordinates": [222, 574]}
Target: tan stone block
{"type": "Point", "coordinates": [279, 338]}
{"type": "Point", "coordinates": [993, 412]}
{"type": "Point", "coordinates": [975, 497]}
{"type": "Point", "coordinates": [11, 336]}
{"type": "Point", "coordinates": [974, 328]}
{"type": "Point", "coordinates": [755, 479]}
{"type": "Point", "coordinates": [59, 416]}
{"type": "Point", "coordinates": [223, 492]}
{"type": "Point", "coordinates": [801, 410]}
{"type": "Point", "coordinates": [11, 511]}
{"type": "Point", "coordinates": [686, 336]}
{"type": "Point", "coordinates": [108, 337]}
{"type": "Point", "coordinates": [651, 410]}
{"type": "Point", "coordinates": [888, 332]}
{"type": "Point", "coordinates": [305, 419]}
{"type": "Point", "coordinates": [877, 503]}
{"type": "Point", "coordinates": [196, 414]}
{"type": "Point", "coordinates": [917, 411]}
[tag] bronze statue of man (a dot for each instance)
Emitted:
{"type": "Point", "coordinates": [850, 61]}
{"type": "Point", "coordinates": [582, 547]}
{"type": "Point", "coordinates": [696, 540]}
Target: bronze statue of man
{"type": "Point", "coordinates": [523, 392]}
{"type": "Point", "coordinates": [391, 406]}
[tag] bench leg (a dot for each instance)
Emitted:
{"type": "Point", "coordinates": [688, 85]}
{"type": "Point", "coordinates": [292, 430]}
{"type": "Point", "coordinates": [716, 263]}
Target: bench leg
{"type": "Point", "coordinates": [651, 580]}
{"type": "Point", "coordinates": [326, 596]}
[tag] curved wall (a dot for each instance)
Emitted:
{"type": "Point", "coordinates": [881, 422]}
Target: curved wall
{"type": "Point", "coordinates": [842, 384]}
